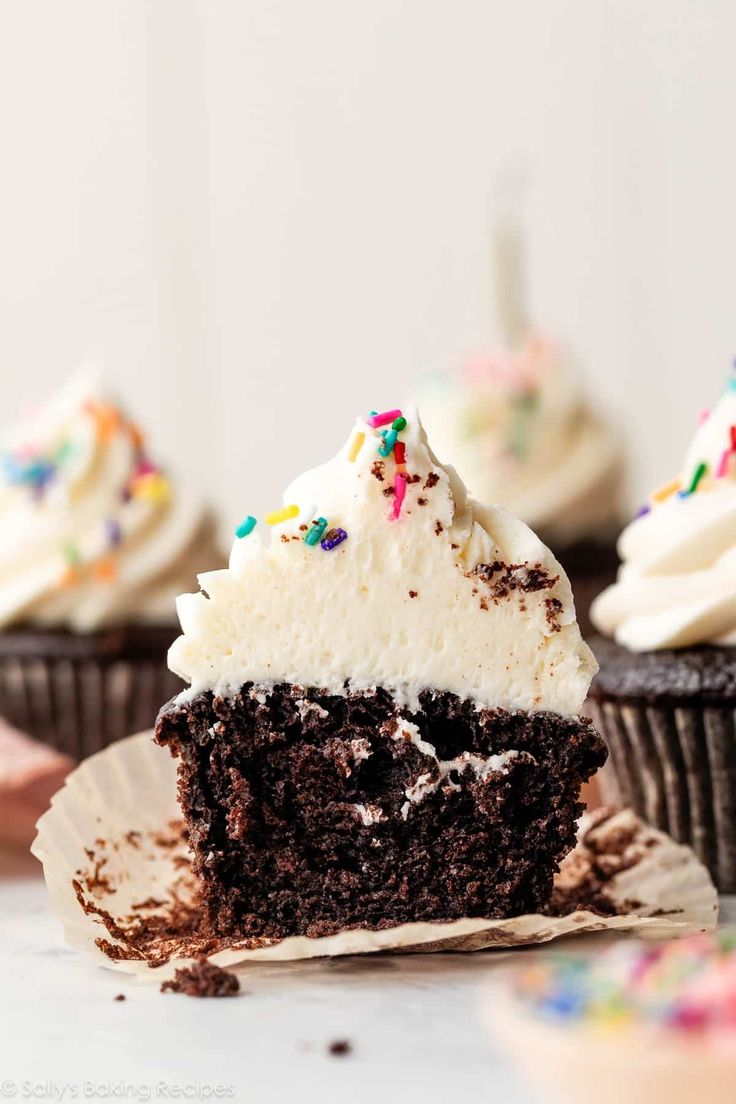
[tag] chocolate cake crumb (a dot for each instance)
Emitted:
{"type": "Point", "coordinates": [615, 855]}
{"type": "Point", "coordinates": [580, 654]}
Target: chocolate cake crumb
{"type": "Point", "coordinates": [203, 979]}
{"type": "Point", "coordinates": [303, 528]}
{"type": "Point", "coordinates": [388, 491]}
{"type": "Point", "coordinates": [431, 481]}
{"type": "Point", "coordinates": [421, 502]}
{"type": "Point", "coordinates": [120, 996]}
{"type": "Point", "coordinates": [340, 1047]}
{"type": "Point", "coordinates": [413, 593]}
{"type": "Point", "coordinates": [413, 478]}
{"type": "Point", "coordinates": [504, 579]}
{"type": "Point", "coordinates": [554, 609]}
{"type": "Point", "coordinates": [377, 470]}
{"type": "Point", "coordinates": [438, 527]}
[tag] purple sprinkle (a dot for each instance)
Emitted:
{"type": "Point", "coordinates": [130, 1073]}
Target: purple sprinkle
{"type": "Point", "coordinates": [642, 512]}
{"type": "Point", "coordinates": [126, 494]}
{"type": "Point", "coordinates": [332, 538]}
{"type": "Point", "coordinates": [114, 532]}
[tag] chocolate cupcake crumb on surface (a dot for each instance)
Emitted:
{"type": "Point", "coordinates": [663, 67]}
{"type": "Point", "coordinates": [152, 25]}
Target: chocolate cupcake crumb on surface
{"type": "Point", "coordinates": [202, 979]}
{"type": "Point", "coordinates": [382, 719]}
{"type": "Point", "coordinates": [95, 543]}
{"type": "Point", "coordinates": [665, 695]}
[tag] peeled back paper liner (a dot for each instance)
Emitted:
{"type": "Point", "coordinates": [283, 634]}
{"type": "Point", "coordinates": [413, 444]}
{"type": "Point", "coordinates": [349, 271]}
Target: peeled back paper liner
{"type": "Point", "coordinates": [118, 871]}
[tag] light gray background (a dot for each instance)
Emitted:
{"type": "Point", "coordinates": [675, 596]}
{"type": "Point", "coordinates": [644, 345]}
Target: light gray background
{"type": "Point", "coordinates": [266, 215]}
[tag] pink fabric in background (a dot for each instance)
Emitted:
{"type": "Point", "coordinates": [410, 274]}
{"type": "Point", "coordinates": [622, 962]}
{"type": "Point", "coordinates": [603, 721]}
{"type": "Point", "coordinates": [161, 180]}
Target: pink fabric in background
{"type": "Point", "coordinates": [30, 774]}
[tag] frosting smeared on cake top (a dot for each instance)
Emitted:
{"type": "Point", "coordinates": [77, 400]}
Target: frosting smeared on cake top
{"type": "Point", "coordinates": [677, 585]}
{"type": "Point", "coordinates": [520, 431]}
{"type": "Point", "coordinates": [380, 571]}
{"type": "Point", "coordinates": [92, 533]}
{"type": "Point", "coordinates": [687, 987]}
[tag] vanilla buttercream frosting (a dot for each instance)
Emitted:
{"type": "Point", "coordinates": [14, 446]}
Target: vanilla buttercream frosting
{"type": "Point", "coordinates": [92, 532]}
{"type": "Point", "coordinates": [412, 585]}
{"type": "Point", "coordinates": [521, 432]}
{"type": "Point", "coordinates": [677, 583]}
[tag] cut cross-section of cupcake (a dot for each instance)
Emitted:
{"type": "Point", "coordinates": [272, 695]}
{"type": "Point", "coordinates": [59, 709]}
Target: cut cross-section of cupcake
{"type": "Point", "coordinates": [382, 720]}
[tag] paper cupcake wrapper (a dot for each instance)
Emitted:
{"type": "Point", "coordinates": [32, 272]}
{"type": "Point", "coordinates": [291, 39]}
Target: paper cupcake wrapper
{"type": "Point", "coordinates": [676, 767]}
{"type": "Point", "coordinates": [115, 860]}
{"type": "Point", "coordinates": [80, 705]}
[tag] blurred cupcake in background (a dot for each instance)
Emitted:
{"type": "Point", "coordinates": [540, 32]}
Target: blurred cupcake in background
{"type": "Point", "coordinates": [665, 696]}
{"type": "Point", "coordinates": [95, 544]}
{"type": "Point", "coordinates": [521, 432]}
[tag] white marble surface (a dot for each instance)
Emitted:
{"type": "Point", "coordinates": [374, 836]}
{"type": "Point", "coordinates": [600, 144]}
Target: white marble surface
{"type": "Point", "coordinates": [413, 1022]}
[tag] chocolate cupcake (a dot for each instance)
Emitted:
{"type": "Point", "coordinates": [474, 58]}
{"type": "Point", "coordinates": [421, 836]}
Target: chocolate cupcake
{"type": "Point", "coordinates": [665, 696]}
{"type": "Point", "coordinates": [95, 543]}
{"type": "Point", "coordinates": [521, 432]}
{"type": "Point", "coordinates": [382, 720]}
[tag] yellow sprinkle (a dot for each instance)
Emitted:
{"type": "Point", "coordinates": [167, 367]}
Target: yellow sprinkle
{"type": "Point", "coordinates": [152, 486]}
{"type": "Point", "coordinates": [356, 446]}
{"type": "Point", "coordinates": [282, 515]}
{"type": "Point", "coordinates": [667, 491]}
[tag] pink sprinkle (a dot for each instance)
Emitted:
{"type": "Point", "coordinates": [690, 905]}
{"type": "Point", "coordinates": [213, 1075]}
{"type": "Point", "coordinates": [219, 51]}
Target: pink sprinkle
{"type": "Point", "coordinates": [703, 417]}
{"type": "Point", "coordinates": [723, 464]}
{"type": "Point", "coordinates": [378, 420]}
{"type": "Point", "coordinates": [145, 467]}
{"type": "Point", "coordinates": [399, 492]}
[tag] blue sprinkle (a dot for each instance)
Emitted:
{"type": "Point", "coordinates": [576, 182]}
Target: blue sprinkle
{"type": "Point", "coordinates": [389, 440]}
{"type": "Point", "coordinates": [246, 527]}
{"type": "Point", "coordinates": [114, 532]}
{"type": "Point", "coordinates": [333, 538]}
{"type": "Point", "coordinates": [315, 533]}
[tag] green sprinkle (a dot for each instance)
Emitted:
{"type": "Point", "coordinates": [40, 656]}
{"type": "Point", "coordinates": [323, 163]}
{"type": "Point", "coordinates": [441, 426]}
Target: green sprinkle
{"type": "Point", "coordinates": [697, 476]}
{"type": "Point", "coordinates": [246, 527]}
{"type": "Point", "coordinates": [65, 452]}
{"type": "Point", "coordinates": [71, 554]}
{"type": "Point", "coordinates": [314, 535]}
{"type": "Point", "coordinates": [399, 424]}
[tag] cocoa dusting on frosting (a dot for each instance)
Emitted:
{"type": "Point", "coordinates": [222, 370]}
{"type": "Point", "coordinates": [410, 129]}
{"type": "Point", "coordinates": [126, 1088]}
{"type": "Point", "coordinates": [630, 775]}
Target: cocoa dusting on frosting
{"type": "Point", "coordinates": [203, 979]}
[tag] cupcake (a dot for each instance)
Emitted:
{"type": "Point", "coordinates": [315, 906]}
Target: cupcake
{"type": "Point", "coordinates": [95, 543]}
{"type": "Point", "coordinates": [666, 692]}
{"type": "Point", "coordinates": [519, 429]}
{"type": "Point", "coordinates": [381, 724]}
{"type": "Point", "coordinates": [652, 1023]}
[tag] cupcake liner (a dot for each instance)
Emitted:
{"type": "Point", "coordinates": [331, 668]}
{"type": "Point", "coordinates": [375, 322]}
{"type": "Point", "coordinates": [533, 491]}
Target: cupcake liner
{"type": "Point", "coordinates": [675, 765]}
{"type": "Point", "coordinates": [79, 704]}
{"type": "Point", "coordinates": [118, 873]}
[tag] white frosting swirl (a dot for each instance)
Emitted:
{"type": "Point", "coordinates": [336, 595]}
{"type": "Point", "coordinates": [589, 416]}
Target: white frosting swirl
{"type": "Point", "coordinates": [520, 432]}
{"type": "Point", "coordinates": [91, 532]}
{"type": "Point", "coordinates": [399, 603]}
{"type": "Point", "coordinates": [677, 585]}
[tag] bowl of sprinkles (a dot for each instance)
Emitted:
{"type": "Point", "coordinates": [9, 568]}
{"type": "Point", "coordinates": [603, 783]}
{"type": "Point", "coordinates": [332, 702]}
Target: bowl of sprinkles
{"type": "Point", "coordinates": [641, 1022]}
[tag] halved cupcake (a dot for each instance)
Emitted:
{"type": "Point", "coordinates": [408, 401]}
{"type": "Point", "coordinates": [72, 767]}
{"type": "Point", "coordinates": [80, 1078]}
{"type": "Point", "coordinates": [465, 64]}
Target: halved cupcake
{"type": "Point", "coordinates": [382, 721]}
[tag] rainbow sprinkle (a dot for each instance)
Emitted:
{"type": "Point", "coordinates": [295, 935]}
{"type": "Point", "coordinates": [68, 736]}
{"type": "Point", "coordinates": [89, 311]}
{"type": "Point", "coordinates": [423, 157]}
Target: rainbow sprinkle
{"type": "Point", "coordinates": [389, 440]}
{"type": "Point", "coordinates": [686, 986]}
{"type": "Point", "coordinates": [113, 531]}
{"type": "Point", "coordinates": [355, 446]}
{"type": "Point", "coordinates": [246, 527]}
{"type": "Point", "coordinates": [375, 421]}
{"type": "Point", "coordinates": [332, 538]}
{"type": "Point", "coordinates": [399, 495]}
{"type": "Point", "coordinates": [667, 491]}
{"type": "Point", "coordinates": [697, 478]}
{"type": "Point", "coordinates": [314, 536]}
{"type": "Point", "coordinates": [283, 514]}
{"type": "Point", "coordinates": [723, 463]}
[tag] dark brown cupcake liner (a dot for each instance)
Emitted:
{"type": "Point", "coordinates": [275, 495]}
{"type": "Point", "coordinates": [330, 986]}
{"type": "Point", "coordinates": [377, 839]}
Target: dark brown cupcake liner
{"type": "Point", "coordinates": [80, 693]}
{"type": "Point", "coordinates": [675, 766]}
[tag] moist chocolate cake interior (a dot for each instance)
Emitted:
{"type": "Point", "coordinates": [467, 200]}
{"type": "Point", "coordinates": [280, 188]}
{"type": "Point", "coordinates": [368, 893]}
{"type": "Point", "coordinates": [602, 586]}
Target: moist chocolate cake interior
{"type": "Point", "coordinates": [310, 813]}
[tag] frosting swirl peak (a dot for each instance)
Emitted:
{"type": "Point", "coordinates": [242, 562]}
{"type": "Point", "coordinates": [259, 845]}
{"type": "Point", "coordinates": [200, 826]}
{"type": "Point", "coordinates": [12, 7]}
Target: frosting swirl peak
{"type": "Point", "coordinates": [92, 532]}
{"type": "Point", "coordinates": [677, 585]}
